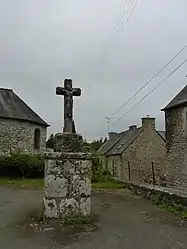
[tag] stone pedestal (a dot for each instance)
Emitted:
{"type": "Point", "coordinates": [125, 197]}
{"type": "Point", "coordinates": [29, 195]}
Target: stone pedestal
{"type": "Point", "coordinates": [67, 184]}
{"type": "Point", "coordinates": [68, 142]}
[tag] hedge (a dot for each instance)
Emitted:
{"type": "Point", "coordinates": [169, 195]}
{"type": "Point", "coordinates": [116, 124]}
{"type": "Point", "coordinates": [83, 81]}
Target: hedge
{"type": "Point", "coordinates": [22, 165]}
{"type": "Point", "coordinates": [98, 174]}
{"type": "Point", "coordinates": [32, 166]}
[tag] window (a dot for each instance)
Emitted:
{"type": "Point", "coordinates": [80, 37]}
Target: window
{"type": "Point", "coordinates": [114, 168]}
{"type": "Point", "coordinates": [37, 139]}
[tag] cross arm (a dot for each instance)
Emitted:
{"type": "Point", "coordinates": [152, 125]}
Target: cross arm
{"type": "Point", "coordinates": [60, 91]}
{"type": "Point", "coordinates": [76, 92]}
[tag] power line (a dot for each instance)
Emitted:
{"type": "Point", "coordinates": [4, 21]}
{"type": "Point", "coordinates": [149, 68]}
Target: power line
{"type": "Point", "coordinates": [131, 11]}
{"type": "Point", "coordinates": [149, 81]}
{"type": "Point", "coordinates": [123, 18]}
{"type": "Point", "coordinates": [157, 85]}
{"type": "Point", "coordinates": [123, 15]}
{"type": "Point", "coordinates": [116, 32]}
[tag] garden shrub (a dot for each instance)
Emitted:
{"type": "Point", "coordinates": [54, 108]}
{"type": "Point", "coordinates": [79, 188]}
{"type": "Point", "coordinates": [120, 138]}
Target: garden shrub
{"type": "Point", "coordinates": [98, 175]}
{"type": "Point", "coordinates": [22, 165]}
{"type": "Point", "coordinates": [32, 166]}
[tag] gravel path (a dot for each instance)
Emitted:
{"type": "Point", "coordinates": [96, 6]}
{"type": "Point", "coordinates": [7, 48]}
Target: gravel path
{"type": "Point", "coordinates": [126, 222]}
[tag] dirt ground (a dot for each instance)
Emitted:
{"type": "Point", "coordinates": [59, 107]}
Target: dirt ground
{"type": "Point", "coordinates": [126, 222]}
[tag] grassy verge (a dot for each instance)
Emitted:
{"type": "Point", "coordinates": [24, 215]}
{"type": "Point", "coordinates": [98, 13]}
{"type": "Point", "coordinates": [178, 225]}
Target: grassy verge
{"type": "Point", "coordinates": [112, 184]}
{"type": "Point", "coordinates": [79, 220]}
{"type": "Point", "coordinates": [164, 203]}
{"type": "Point", "coordinates": [23, 182]}
{"type": "Point", "coordinates": [39, 183]}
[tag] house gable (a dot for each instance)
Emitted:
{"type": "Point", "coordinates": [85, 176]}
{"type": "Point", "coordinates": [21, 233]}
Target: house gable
{"type": "Point", "coordinates": [124, 142]}
{"type": "Point", "coordinates": [179, 100]}
{"type": "Point", "coordinates": [106, 147]}
{"type": "Point", "coordinates": [146, 149]}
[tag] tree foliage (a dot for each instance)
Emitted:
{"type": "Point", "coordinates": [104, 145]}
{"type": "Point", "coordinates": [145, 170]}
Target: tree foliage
{"type": "Point", "coordinates": [50, 142]}
{"type": "Point", "coordinates": [92, 146]}
{"type": "Point", "coordinates": [95, 144]}
{"type": "Point", "coordinates": [22, 165]}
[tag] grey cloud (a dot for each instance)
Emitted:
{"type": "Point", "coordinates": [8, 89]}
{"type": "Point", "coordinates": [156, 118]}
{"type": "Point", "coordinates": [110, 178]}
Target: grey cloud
{"type": "Point", "coordinates": [43, 42]}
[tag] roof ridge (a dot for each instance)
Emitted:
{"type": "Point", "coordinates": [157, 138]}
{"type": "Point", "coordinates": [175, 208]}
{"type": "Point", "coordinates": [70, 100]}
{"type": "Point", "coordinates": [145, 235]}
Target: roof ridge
{"type": "Point", "coordinates": [179, 99]}
{"type": "Point", "coordinates": [13, 107]}
{"type": "Point", "coordinates": [23, 102]}
{"type": "Point", "coordinates": [134, 133]}
{"type": "Point", "coordinates": [7, 89]}
{"type": "Point", "coordinates": [161, 135]}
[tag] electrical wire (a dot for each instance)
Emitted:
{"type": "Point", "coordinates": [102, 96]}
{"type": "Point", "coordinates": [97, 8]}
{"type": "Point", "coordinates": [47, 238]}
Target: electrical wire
{"type": "Point", "coordinates": [116, 33]}
{"type": "Point", "coordinates": [157, 85]}
{"type": "Point", "coordinates": [149, 81]}
{"type": "Point", "coordinates": [122, 20]}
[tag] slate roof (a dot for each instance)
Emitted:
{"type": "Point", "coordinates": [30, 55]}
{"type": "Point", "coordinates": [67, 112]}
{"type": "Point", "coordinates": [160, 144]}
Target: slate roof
{"type": "Point", "coordinates": [12, 107]}
{"type": "Point", "coordinates": [125, 140]}
{"type": "Point", "coordinates": [122, 141]}
{"type": "Point", "coordinates": [162, 134]}
{"type": "Point", "coordinates": [180, 99]}
{"type": "Point", "coordinates": [109, 144]}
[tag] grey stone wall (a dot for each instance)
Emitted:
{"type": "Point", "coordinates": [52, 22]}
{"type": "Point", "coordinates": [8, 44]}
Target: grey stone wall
{"type": "Point", "coordinates": [148, 147]}
{"type": "Point", "coordinates": [67, 184]}
{"type": "Point", "coordinates": [176, 148]}
{"type": "Point", "coordinates": [114, 165]}
{"type": "Point", "coordinates": [171, 195]}
{"type": "Point", "coordinates": [19, 136]}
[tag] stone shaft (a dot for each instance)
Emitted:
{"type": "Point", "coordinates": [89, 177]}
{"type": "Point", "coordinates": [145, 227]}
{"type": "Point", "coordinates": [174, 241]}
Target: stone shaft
{"type": "Point", "coordinates": [68, 93]}
{"type": "Point", "coordinates": [67, 184]}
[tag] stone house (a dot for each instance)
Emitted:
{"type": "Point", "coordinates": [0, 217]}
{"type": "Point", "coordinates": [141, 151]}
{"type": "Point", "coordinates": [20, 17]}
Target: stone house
{"type": "Point", "coordinates": [21, 129]}
{"type": "Point", "coordinates": [176, 141]}
{"type": "Point", "coordinates": [136, 154]}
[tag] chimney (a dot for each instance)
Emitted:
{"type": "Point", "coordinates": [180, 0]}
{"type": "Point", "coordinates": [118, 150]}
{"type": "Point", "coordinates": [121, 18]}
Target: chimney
{"type": "Point", "coordinates": [112, 134]}
{"type": "Point", "coordinates": [132, 127]}
{"type": "Point", "coordinates": [148, 123]}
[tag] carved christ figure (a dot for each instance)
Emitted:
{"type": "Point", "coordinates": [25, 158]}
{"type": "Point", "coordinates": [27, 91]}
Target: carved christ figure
{"type": "Point", "coordinates": [68, 92]}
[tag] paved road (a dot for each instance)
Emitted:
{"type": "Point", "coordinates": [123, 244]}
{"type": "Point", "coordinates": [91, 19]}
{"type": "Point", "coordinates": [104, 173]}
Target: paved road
{"type": "Point", "coordinates": [126, 222]}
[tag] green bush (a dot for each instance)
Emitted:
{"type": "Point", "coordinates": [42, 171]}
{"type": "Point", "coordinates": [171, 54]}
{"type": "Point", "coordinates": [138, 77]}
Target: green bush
{"type": "Point", "coordinates": [22, 165]}
{"type": "Point", "coordinates": [98, 175]}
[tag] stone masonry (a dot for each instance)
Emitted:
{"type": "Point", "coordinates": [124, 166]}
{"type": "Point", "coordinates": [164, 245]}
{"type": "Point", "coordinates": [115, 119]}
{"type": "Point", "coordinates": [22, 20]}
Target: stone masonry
{"type": "Point", "coordinates": [176, 148]}
{"type": "Point", "coordinates": [135, 161]}
{"type": "Point", "coordinates": [17, 135]}
{"type": "Point", "coordinates": [21, 128]}
{"type": "Point", "coordinates": [68, 169]}
{"type": "Point", "coordinates": [67, 184]}
{"type": "Point", "coordinates": [176, 141]}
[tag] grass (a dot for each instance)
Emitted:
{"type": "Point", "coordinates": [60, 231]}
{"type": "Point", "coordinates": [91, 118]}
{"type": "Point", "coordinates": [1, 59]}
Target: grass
{"type": "Point", "coordinates": [23, 182]}
{"type": "Point", "coordinates": [79, 220]}
{"type": "Point", "coordinates": [164, 203]}
{"type": "Point", "coordinates": [39, 183]}
{"type": "Point", "coordinates": [107, 185]}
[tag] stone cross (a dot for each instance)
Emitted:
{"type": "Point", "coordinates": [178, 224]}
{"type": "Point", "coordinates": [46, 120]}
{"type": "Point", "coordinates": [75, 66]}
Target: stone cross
{"type": "Point", "coordinates": [68, 93]}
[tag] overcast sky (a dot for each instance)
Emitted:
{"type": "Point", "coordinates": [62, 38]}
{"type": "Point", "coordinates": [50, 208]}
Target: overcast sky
{"type": "Point", "coordinates": [42, 42]}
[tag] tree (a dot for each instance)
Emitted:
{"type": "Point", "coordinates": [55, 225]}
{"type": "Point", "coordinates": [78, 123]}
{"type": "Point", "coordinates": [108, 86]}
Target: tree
{"type": "Point", "coordinates": [50, 142]}
{"type": "Point", "coordinates": [96, 144]}
{"type": "Point", "coordinates": [105, 140]}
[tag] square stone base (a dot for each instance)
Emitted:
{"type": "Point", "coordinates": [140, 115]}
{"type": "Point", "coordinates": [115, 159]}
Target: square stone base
{"type": "Point", "coordinates": [68, 142]}
{"type": "Point", "coordinates": [67, 184]}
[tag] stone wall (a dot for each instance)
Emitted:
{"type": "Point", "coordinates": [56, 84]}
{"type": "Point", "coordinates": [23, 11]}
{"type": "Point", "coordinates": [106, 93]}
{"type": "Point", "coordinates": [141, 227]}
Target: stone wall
{"type": "Point", "coordinates": [172, 196]}
{"type": "Point", "coordinates": [114, 165]}
{"type": "Point", "coordinates": [136, 161]}
{"type": "Point", "coordinates": [67, 184]}
{"type": "Point", "coordinates": [176, 148]}
{"type": "Point", "coordinates": [19, 136]}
